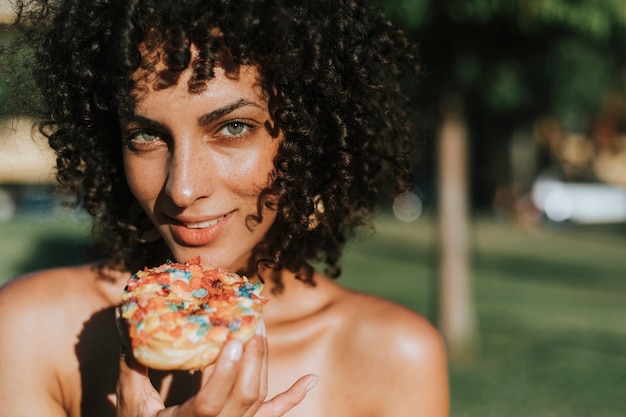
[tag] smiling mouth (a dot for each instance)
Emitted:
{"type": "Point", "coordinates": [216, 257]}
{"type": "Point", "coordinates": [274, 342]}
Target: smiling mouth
{"type": "Point", "coordinates": [204, 224]}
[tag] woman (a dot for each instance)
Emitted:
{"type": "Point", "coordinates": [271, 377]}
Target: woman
{"type": "Point", "coordinates": [256, 135]}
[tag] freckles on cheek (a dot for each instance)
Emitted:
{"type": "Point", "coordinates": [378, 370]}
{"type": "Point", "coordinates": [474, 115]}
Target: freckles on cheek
{"type": "Point", "coordinates": [142, 182]}
{"type": "Point", "coordinates": [251, 174]}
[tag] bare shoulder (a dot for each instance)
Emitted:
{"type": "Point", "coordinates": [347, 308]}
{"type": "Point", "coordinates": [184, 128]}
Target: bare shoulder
{"type": "Point", "coordinates": [41, 316]}
{"type": "Point", "coordinates": [54, 302]}
{"type": "Point", "coordinates": [404, 353]}
{"type": "Point", "coordinates": [48, 290]}
{"type": "Point", "coordinates": [46, 305]}
{"type": "Point", "coordinates": [404, 332]}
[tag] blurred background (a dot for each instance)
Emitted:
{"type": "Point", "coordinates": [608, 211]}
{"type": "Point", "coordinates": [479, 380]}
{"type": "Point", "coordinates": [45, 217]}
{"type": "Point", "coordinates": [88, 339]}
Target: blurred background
{"type": "Point", "coordinates": [514, 240]}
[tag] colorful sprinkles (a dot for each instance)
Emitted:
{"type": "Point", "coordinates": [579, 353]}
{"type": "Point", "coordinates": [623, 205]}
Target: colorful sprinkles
{"type": "Point", "coordinates": [187, 303]}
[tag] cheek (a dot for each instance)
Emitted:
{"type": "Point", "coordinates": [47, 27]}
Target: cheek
{"type": "Point", "coordinates": [143, 179]}
{"type": "Point", "coordinates": [251, 172]}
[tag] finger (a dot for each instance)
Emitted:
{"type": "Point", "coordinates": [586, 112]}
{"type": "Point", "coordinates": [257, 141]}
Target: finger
{"type": "Point", "coordinates": [213, 395]}
{"type": "Point", "coordinates": [252, 381]}
{"type": "Point", "coordinates": [287, 400]}
{"type": "Point", "coordinates": [251, 387]}
{"type": "Point", "coordinates": [265, 363]}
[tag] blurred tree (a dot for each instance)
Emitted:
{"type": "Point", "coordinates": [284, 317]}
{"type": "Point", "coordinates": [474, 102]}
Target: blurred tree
{"type": "Point", "coordinates": [512, 62]}
{"type": "Point", "coordinates": [4, 73]}
{"type": "Point", "coordinates": [505, 64]}
{"type": "Point", "coordinates": [17, 95]}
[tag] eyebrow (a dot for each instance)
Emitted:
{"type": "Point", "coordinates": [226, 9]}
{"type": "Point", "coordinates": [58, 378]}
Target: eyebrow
{"type": "Point", "coordinates": [203, 120]}
{"type": "Point", "coordinates": [223, 111]}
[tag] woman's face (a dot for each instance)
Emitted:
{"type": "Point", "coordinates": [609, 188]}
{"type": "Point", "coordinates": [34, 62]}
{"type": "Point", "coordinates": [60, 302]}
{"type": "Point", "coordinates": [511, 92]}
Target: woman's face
{"type": "Point", "coordinates": [196, 163]}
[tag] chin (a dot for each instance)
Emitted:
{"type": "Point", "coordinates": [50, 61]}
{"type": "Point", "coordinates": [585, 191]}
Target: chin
{"type": "Point", "coordinates": [210, 259]}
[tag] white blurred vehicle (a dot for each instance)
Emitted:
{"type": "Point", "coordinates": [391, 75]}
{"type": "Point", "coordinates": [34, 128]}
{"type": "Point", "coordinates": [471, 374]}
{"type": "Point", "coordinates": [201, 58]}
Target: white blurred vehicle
{"type": "Point", "coordinates": [579, 202]}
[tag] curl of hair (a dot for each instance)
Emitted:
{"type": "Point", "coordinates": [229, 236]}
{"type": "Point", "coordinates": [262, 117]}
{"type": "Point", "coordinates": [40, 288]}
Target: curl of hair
{"type": "Point", "coordinates": [333, 71]}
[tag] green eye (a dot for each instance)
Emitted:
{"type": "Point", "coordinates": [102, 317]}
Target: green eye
{"type": "Point", "coordinates": [146, 136]}
{"type": "Point", "coordinates": [144, 139]}
{"type": "Point", "coordinates": [235, 128]}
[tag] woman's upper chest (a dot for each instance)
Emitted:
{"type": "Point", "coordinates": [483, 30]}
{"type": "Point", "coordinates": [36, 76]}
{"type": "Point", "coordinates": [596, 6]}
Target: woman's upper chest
{"type": "Point", "coordinates": [325, 348]}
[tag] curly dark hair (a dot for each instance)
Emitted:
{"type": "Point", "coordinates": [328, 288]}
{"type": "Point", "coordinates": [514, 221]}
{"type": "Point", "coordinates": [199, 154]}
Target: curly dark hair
{"type": "Point", "coordinates": [333, 71]}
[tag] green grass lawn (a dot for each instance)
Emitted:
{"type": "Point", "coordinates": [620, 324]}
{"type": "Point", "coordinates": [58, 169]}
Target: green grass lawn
{"type": "Point", "coordinates": [551, 314]}
{"type": "Point", "coordinates": [551, 306]}
{"type": "Point", "coordinates": [34, 242]}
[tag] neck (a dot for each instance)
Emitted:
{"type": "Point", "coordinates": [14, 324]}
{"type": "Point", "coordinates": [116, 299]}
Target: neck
{"type": "Point", "coordinates": [296, 299]}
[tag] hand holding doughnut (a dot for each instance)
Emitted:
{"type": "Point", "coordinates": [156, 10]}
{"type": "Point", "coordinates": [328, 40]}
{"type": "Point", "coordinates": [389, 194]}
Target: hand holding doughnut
{"type": "Point", "coordinates": [179, 315]}
{"type": "Point", "coordinates": [236, 388]}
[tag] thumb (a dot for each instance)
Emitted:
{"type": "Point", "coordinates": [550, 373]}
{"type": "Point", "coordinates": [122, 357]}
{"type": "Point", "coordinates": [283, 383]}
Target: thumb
{"type": "Point", "coordinates": [136, 396]}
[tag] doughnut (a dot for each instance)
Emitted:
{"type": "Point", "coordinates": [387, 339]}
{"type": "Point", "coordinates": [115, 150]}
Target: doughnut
{"type": "Point", "coordinates": [179, 315]}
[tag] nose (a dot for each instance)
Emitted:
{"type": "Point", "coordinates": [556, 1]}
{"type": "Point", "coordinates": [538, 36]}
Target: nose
{"type": "Point", "coordinates": [188, 176]}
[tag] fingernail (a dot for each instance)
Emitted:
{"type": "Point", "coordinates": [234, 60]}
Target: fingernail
{"type": "Point", "coordinates": [260, 329]}
{"type": "Point", "coordinates": [312, 383]}
{"type": "Point", "coordinates": [234, 349]}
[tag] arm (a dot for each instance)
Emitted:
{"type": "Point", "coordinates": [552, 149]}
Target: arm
{"type": "Point", "coordinates": [406, 370]}
{"type": "Point", "coordinates": [418, 376]}
{"type": "Point", "coordinates": [417, 372]}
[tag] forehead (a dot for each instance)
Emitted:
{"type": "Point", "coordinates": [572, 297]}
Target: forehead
{"type": "Point", "coordinates": [160, 78]}
{"type": "Point", "coordinates": [164, 62]}
{"type": "Point", "coordinates": [221, 91]}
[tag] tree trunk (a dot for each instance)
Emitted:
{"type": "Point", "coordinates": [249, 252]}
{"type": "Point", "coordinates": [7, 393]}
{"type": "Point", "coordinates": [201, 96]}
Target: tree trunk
{"type": "Point", "coordinates": [456, 319]}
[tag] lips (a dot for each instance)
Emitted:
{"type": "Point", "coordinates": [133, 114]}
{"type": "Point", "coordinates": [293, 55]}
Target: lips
{"type": "Point", "coordinates": [198, 232]}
